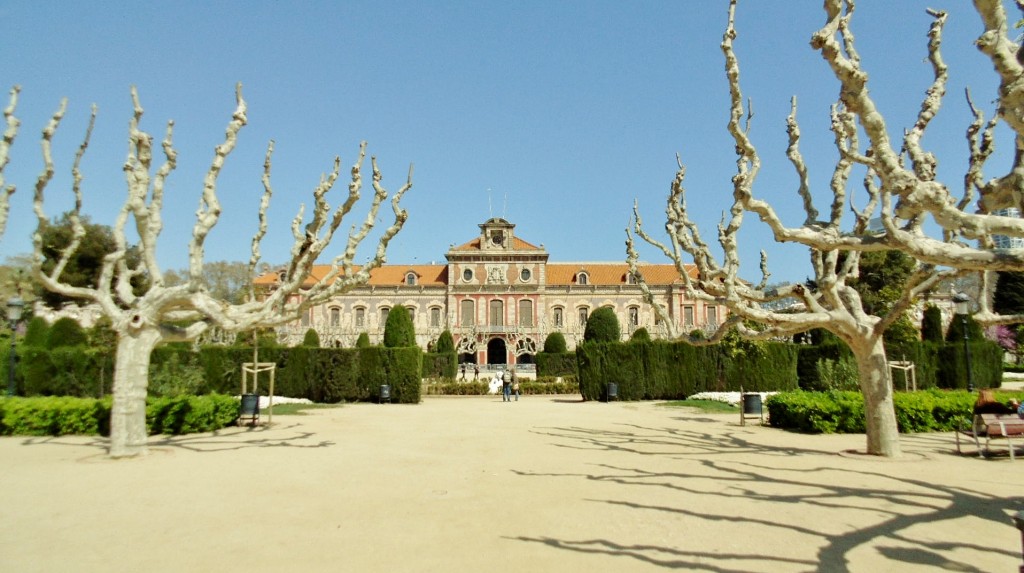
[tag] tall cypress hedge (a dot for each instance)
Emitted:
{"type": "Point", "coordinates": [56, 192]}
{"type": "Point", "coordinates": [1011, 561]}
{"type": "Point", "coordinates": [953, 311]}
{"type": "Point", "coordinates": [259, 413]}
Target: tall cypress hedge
{"type": "Point", "coordinates": [674, 370]}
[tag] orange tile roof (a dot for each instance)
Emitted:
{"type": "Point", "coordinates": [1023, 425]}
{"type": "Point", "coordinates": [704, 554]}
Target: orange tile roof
{"type": "Point", "coordinates": [517, 244]}
{"type": "Point", "coordinates": [605, 274]}
{"type": "Point", "coordinates": [559, 274]}
{"type": "Point", "coordinates": [387, 275]}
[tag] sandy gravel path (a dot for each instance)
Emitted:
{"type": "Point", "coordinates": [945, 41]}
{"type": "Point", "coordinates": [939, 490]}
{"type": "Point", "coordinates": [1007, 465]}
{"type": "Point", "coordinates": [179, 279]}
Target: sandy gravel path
{"type": "Point", "coordinates": [471, 483]}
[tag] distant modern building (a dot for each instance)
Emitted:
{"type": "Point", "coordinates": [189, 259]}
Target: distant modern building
{"type": "Point", "coordinates": [1002, 241]}
{"type": "Point", "coordinates": [500, 298]}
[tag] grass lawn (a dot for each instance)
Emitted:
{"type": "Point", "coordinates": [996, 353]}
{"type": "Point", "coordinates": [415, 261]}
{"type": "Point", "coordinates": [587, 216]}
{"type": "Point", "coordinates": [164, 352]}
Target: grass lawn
{"type": "Point", "coordinates": [296, 409]}
{"type": "Point", "coordinates": [712, 406]}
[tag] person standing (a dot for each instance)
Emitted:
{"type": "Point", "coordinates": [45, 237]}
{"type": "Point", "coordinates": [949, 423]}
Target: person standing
{"type": "Point", "coordinates": [515, 384]}
{"type": "Point", "coordinates": [476, 372]}
{"type": "Point", "coordinates": [462, 373]}
{"type": "Point", "coordinates": [506, 387]}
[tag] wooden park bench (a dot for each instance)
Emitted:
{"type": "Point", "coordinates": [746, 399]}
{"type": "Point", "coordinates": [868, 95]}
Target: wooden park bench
{"type": "Point", "coordinates": [993, 426]}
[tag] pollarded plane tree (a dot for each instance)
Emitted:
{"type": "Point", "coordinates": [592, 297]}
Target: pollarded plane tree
{"type": "Point", "coordinates": [900, 190]}
{"type": "Point", "coordinates": [165, 313]}
{"type": "Point", "coordinates": [10, 132]}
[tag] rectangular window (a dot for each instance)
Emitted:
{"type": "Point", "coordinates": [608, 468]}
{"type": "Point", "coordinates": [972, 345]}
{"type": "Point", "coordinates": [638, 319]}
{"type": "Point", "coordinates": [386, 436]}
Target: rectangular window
{"type": "Point", "coordinates": [384, 316]}
{"type": "Point", "coordinates": [412, 314]}
{"type": "Point", "coordinates": [468, 313]}
{"type": "Point", "coordinates": [634, 316]}
{"type": "Point", "coordinates": [435, 316]}
{"type": "Point", "coordinates": [497, 313]}
{"type": "Point", "coordinates": [582, 315]}
{"type": "Point", "coordinates": [360, 317]}
{"type": "Point", "coordinates": [335, 317]}
{"type": "Point", "coordinates": [713, 315]}
{"type": "Point", "coordinates": [688, 315]}
{"type": "Point", "coordinates": [526, 313]}
{"type": "Point", "coordinates": [557, 317]}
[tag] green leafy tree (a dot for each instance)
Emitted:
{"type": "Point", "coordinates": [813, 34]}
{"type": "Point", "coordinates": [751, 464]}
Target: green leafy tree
{"type": "Point", "coordinates": [228, 281]}
{"type": "Point", "coordinates": [66, 332]}
{"type": "Point", "coordinates": [901, 331]}
{"type": "Point", "coordinates": [445, 343]}
{"type": "Point", "coordinates": [956, 330]}
{"type": "Point", "coordinates": [398, 330]}
{"type": "Point", "coordinates": [36, 332]}
{"type": "Point", "coordinates": [555, 343]}
{"type": "Point", "coordinates": [602, 326]}
{"type": "Point", "coordinates": [1008, 297]}
{"type": "Point", "coordinates": [83, 267]}
{"type": "Point", "coordinates": [882, 279]}
{"type": "Point", "coordinates": [640, 335]}
{"type": "Point", "coordinates": [312, 339]}
{"type": "Point", "coordinates": [363, 341]}
{"type": "Point", "coordinates": [931, 324]}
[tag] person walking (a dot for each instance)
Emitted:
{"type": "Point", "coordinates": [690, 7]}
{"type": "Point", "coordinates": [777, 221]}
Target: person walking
{"type": "Point", "coordinates": [506, 387]}
{"type": "Point", "coordinates": [462, 373]}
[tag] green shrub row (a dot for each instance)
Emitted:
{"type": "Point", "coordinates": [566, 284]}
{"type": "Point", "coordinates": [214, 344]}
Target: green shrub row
{"type": "Point", "coordinates": [843, 412]}
{"type": "Point", "coordinates": [526, 387]}
{"type": "Point", "coordinates": [674, 370]}
{"type": "Point", "coordinates": [65, 415]}
{"type": "Point", "coordinates": [936, 365]}
{"type": "Point", "coordinates": [319, 374]}
{"type": "Point", "coordinates": [440, 364]}
{"type": "Point", "coordinates": [556, 363]}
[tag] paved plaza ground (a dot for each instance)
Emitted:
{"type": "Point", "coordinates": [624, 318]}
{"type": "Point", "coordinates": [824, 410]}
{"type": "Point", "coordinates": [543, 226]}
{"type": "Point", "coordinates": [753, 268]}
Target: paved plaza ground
{"type": "Point", "coordinates": [474, 484]}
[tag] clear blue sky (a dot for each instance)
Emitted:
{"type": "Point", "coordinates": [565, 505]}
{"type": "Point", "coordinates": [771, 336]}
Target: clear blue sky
{"type": "Point", "coordinates": [555, 115]}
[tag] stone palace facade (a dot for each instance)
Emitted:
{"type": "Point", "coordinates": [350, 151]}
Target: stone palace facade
{"type": "Point", "coordinates": [500, 298]}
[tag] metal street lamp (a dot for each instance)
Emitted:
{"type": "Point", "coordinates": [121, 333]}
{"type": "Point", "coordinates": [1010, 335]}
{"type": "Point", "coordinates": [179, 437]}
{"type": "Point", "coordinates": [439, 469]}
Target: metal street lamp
{"type": "Point", "coordinates": [963, 306]}
{"type": "Point", "coordinates": [14, 307]}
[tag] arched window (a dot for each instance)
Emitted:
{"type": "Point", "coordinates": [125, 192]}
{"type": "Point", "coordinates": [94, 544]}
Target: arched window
{"type": "Point", "coordinates": [525, 312]}
{"type": "Point", "coordinates": [582, 278]}
{"type": "Point", "coordinates": [435, 316]}
{"type": "Point", "coordinates": [410, 279]}
{"type": "Point", "coordinates": [360, 316]}
{"type": "Point", "coordinates": [335, 316]}
{"type": "Point", "coordinates": [412, 314]}
{"type": "Point", "coordinates": [581, 314]}
{"type": "Point", "coordinates": [634, 315]}
{"type": "Point", "coordinates": [467, 312]}
{"type": "Point", "coordinates": [497, 313]}
{"type": "Point", "coordinates": [557, 316]}
{"type": "Point", "coordinates": [384, 315]}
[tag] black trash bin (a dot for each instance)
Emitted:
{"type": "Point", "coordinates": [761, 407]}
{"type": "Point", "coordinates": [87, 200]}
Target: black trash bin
{"type": "Point", "coordinates": [752, 404]}
{"type": "Point", "coordinates": [249, 409]}
{"type": "Point", "coordinates": [613, 392]}
{"type": "Point", "coordinates": [751, 407]}
{"type": "Point", "coordinates": [385, 393]}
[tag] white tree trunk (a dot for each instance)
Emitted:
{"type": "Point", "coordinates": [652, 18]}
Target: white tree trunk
{"type": "Point", "coordinates": [883, 435]}
{"type": "Point", "coordinates": [131, 377]}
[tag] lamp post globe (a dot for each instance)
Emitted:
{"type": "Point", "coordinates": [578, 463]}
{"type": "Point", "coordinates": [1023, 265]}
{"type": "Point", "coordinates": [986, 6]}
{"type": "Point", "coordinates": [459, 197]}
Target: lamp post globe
{"type": "Point", "coordinates": [963, 304]}
{"type": "Point", "coordinates": [15, 306]}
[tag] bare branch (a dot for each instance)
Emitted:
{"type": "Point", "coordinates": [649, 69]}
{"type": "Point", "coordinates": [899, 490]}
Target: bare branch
{"type": "Point", "coordinates": [10, 132]}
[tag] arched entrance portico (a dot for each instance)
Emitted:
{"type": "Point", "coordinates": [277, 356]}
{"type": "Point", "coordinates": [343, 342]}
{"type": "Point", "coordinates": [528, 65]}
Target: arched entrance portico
{"type": "Point", "coordinates": [497, 352]}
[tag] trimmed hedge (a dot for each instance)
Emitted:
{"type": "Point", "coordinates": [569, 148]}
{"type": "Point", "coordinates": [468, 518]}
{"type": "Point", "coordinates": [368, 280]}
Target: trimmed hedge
{"type": "Point", "coordinates": [440, 364]}
{"type": "Point", "coordinates": [556, 363]}
{"type": "Point", "coordinates": [843, 412]}
{"type": "Point", "coordinates": [57, 416]}
{"type": "Point", "coordinates": [674, 370]}
{"type": "Point", "coordinates": [526, 387]}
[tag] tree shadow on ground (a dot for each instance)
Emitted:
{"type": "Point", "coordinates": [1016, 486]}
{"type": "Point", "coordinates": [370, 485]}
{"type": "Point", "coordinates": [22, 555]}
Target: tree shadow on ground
{"type": "Point", "coordinates": [232, 438]}
{"type": "Point", "coordinates": [893, 504]}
